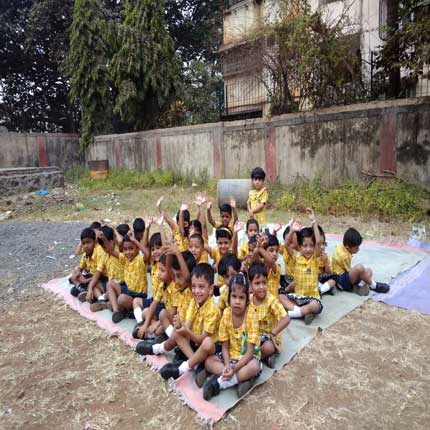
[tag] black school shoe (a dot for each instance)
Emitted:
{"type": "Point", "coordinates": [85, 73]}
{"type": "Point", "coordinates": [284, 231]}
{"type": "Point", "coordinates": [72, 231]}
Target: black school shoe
{"type": "Point", "coordinates": [179, 356]}
{"type": "Point", "coordinates": [170, 370]}
{"type": "Point", "coordinates": [144, 348]}
{"type": "Point", "coordinates": [118, 316]}
{"type": "Point", "coordinates": [382, 287]}
{"type": "Point", "coordinates": [211, 388]}
{"type": "Point", "coordinates": [77, 289]}
{"type": "Point", "coordinates": [201, 375]}
{"type": "Point", "coordinates": [245, 386]}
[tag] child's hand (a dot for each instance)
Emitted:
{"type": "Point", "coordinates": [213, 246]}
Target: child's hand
{"type": "Point", "coordinates": [160, 220]}
{"type": "Point", "coordinates": [141, 332]}
{"type": "Point", "coordinates": [159, 201]}
{"type": "Point", "coordinates": [238, 225]}
{"type": "Point", "coordinates": [275, 344]}
{"type": "Point", "coordinates": [209, 205]}
{"type": "Point", "coordinates": [199, 199]}
{"type": "Point", "coordinates": [311, 214]}
{"type": "Point", "coordinates": [297, 226]}
{"type": "Point", "coordinates": [233, 203]}
{"type": "Point", "coordinates": [227, 373]}
{"type": "Point", "coordinates": [131, 235]}
{"type": "Point", "coordinates": [264, 240]}
{"type": "Point", "coordinates": [184, 207]}
{"type": "Point", "coordinates": [177, 322]}
{"type": "Point", "coordinates": [148, 220]}
{"type": "Point", "coordinates": [277, 228]}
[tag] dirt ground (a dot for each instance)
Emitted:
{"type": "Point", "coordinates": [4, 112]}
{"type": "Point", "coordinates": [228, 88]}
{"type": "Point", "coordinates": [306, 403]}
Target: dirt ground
{"type": "Point", "coordinates": [371, 370]}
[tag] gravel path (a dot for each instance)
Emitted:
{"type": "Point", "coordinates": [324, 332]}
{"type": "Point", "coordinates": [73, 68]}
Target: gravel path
{"type": "Point", "coordinates": [35, 251]}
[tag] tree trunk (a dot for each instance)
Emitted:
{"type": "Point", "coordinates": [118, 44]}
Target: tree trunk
{"type": "Point", "coordinates": [393, 25]}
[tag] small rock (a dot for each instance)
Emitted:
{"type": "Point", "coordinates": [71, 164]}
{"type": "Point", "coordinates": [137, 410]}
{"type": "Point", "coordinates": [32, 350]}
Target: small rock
{"type": "Point", "coordinates": [5, 215]}
{"type": "Point", "coordinates": [107, 221]}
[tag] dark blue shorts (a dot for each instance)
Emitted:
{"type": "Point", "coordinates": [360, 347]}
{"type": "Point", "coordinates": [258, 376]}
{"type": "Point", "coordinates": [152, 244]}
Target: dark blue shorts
{"type": "Point", "coordinates": [344, 283]}
{"type": "Point", "coordinates": [133, 294]}
{"type": "Point", "coordinates": [158, 309]}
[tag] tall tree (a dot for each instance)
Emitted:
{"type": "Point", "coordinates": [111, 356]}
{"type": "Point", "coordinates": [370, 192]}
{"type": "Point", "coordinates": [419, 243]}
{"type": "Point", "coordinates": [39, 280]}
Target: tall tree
{"type": "Point", "coordinates": [87, 67]}
{"type": "Point", "coordinates": [145, 69]}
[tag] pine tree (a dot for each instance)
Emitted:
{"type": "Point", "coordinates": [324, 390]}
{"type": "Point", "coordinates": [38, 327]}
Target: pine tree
{"type": "Point", "coordinates": [87, 67]}
{"type": "Point", "coordinates": [145, 70]}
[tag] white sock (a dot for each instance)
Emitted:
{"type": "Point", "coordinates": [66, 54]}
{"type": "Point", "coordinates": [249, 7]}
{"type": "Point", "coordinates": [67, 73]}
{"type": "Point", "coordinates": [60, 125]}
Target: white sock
{"type": "Point", "coordinates": [184, 368]}
{"type": "Point", "coordinates": [223, 384]}
{"type": "Point", "coordinates": [372, 285]}
{"type": "Point", "coordinates": [158, 348]}
{"type": "Point", "coordinates": [295, 313]}
{"type": "Point", "coordinates": [169, 330]}
{"type": "Point", "coordinates": [102, 298]}
{"type": "Point", "coordinates": [324, 287]}
{"type": "Point", "coordinates": [138, 314]}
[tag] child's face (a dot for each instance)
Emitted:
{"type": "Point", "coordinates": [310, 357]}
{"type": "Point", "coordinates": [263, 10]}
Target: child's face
{"type": "Point", "coordinates": [88, 245]}
{"type": "Point", "coordinates": [238, 299]}
{"type": "Point", "coordinates": [251, 246]}
{"type": "Point", "coordinates": [194, 230]}
{"type": "Point", "coordinates": [230, 273]}
{"type": "Point", "coordinates": [273, 251]}
{"type": "Point", "coordinates": [130, 250]}
{"type": "Point", "coordinates": [323, 244]}
{"type": "Point", "coordinates": [258, 183]}
{"type": "Point", "coordinates": [223, 244]}
{"type": "Point", "coordinates": [196, 248]}
{"type": "Point", "coordinates": [201, 289]}
{"type": "Point", "coordinates": [155, 252]}
{"type": "Point", "coordinates": [225, 219]}
{"type": "Point", "coordinates": [352, 249]}
{"type": "Point", "coordinates": [259, 286]}
{"type": "Point", "coordinates": [163, 275]}
{"type": "Point", "coordinates": [252, 230]}
{"type": "Point", "coordinates": [308, 247]}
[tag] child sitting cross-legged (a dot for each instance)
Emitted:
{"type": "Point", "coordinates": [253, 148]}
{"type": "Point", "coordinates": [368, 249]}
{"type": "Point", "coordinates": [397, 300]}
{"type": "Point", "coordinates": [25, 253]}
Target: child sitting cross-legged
{"type": "Point", "coordinates": [195, 336]}
{"type": "Point", "coordinates": [229, 265]}
{"type": "Point", "coordinates": [239, 361]}
{"type": "Point", "coordinates": [271, 315]}
{"type": "Point", "coordinates": [357, 279]}
{"type": "Point", "coordinates": [305, 301]}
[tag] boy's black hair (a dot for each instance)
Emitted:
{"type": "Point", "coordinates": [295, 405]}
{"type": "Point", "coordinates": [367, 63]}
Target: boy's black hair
{"type": "Point", "coordinates": [252, 240]}
{"type": "Point", "coordinates": [239, 279]}
{"type": "Point", "coordinates": [226, 208]}
{"type": "Point", "coordinates": [252, 221]}
{"type": "Point", "coordinates": [204, 270]}
{"type": "Point", "coordinates": [123, 229]}
{"type": "Point", "coordinates": [258, 173]}
{"type": "Point", "coordinates": [155, 240]}
{"type": "Point", "coordinates": [96, 225]}
{"type": "Point", "coordinates": [198, 237]}
{"type": "Point", "coordinates": [190, 261]}
{"type": "Point", "coordinates": [226, 261]}
{"type": "Point", "coordinates": [126, 238]}
{"type": "Point", "coordinates": [223, 232]}
{"type": "Point", "coordinates": [163, 259]}
{"type": "Point", "coordinates": [286, 231]}
{"type": "Point", "coordinates": [303, 233]}
{"type": "Point", "coordinates": [187, 216]}
{"type": "Point", "coordinates": [352, 238]}
{"type": "Point", "coordinates": [257, 268]}
{"type": "Point", "coordinates": [138, 225]}
{"type": "Point", "coordinates": [273, 240]}
{"type": "Point", "coordinates": [107, 233]}
{"type": "Point", "coordinates": [196, 224]}
{"type": "Point", "coordinates": [88, 233]}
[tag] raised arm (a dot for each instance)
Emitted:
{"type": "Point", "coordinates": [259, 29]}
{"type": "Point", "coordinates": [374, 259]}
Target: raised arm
{"type": "Point", "coordinates": [235, 213]}
{"type": "Point", "coordinates": [141, 246]}
{"type": "Point", "coordinates": [108, 246]}
{"type": "Point", "coordinates": [316, 230]}
{"type": "Point", "coordinates": [262, 241]}
{"type": "Point", "coordinates": [209, 212]}
{"type": "Point", "coordinates": [182, 209]}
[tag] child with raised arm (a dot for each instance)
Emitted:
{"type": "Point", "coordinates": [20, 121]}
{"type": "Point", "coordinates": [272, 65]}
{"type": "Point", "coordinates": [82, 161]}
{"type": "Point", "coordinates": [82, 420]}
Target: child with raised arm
{"type": "Point", "coordinates": [121, 295]}
{"type": "Point", "coordinates": [305, 301]}
{"type": "Point", "coordinates": [196, 335]}
{"type": "Point", "coordinates": [357, 279]}
{"type": "Point", "coordinates": [258, 197]}
{"type": "Point", "coordinates": [228, 215]}
{"type": "Point", "coordinates": [271, 315]}
{"type": "Point", "coordinates": [268, 248]}
{"type": "Point", "coordinates": [179, 264]}
{"type": "Point", "coordinates": [239, 361]}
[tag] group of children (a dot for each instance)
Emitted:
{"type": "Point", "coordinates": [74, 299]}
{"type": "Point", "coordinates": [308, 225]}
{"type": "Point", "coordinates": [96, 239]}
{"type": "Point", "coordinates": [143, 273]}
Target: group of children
{"type": "Point", "coordinates": [221, 320]}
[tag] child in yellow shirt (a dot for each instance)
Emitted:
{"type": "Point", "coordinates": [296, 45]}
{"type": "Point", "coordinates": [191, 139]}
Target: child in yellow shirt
{"type": "Point", "coordinates": [252, 229]}
{"type": "Point", "coordinates": [228, 215]}
{"type": "Point", "coordinates": [258, 197]}
{"type": "Point", "coordinates": [239, 361]}
{"type": "Point", "coordinates": [196, 335]}
{"type": "Point", "coordinates": [228, 266]}
{"type": "Point", "coordinates": [268, 248]}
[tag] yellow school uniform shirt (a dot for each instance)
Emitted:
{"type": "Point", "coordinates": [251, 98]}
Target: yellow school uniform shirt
{"type": "Point", "coordinates": [273, 279]}
{"type": "Point", "coordinates": [243, 250]}
{"type": "Point", "coordinates": [288, 261]}
{"type": "Point", "coordinates": [181, 300]}
{"type": "Point", "coordinates": [306, 275]}
{"type": "Point", "coordinates": [182, 242]}
{"type": "Point", "coordinates": [216, 256]}
{"type": "Point", "coordinates": [341, 260]}
{"type": "Point", "coordinates": [321, 265]}
{"type": "Point", "coordinates": [156, 283]}
{"type": "Point", "coordinates": [114, 269]}
{"type": "Point", "coordinates": [268, 314]}
{"type": "Point", "coordinates": [256, 198]}
{"type": "Point", "coordinates": [239, 337]}
{"type": "Point", "coordinates": [135, 273]}
{"type": "Point", "coordinates": [165, 295]}
{"type": "Point", "coordinates": [219, 225]}
{"type": "Point", "coordinates": [204, 318]}
{"type": "Point", "coordinates": [223, 297]}
{"type": "Point", "coordinates": [94, 262]}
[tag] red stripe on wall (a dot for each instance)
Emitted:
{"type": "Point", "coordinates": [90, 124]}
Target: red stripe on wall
{"type": "Point", "coordinates": [43, 156]}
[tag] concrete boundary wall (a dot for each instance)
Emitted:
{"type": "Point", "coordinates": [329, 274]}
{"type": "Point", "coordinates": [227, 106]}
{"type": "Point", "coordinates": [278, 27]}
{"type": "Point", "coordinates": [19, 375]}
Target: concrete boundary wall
{"type": "Point", "coordinates": [378, 138]}
{"type": "Point", "coordinates": [40, 150]}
